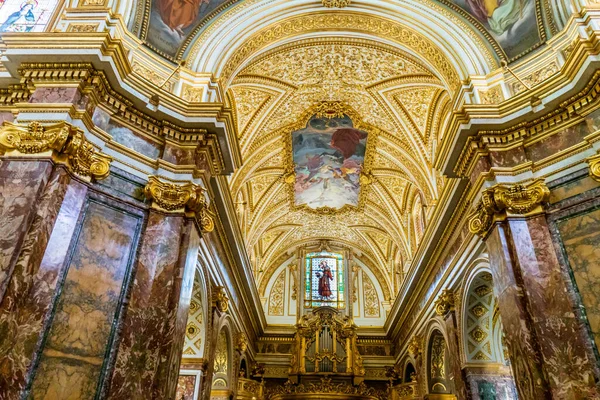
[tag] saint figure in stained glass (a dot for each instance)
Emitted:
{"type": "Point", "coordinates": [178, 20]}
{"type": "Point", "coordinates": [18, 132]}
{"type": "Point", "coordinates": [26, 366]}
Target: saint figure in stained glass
{"type": "Point", "coordinates": [324, 278]}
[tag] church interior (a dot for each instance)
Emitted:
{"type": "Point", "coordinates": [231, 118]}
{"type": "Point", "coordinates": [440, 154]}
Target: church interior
{"type": "Point", "coordinates": [299, 199]}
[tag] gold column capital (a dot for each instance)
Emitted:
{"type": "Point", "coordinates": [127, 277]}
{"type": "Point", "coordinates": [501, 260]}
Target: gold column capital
{"type": "Point", "coordinates": [180, 198]}
{"type": "Point", "coordinates": [445, 302]}
{"type": "Point", "coordinates": [63, 142]}
{"type": "Point", "coordinates": [220, 299]}
{"type": "Point", "coordinates": [594, 164]}
{"type": "Point", "coordinates": [501, 201]}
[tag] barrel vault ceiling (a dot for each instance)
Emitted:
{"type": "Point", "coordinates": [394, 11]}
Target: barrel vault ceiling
{"type": "Point", "coordinates": [393, 95]}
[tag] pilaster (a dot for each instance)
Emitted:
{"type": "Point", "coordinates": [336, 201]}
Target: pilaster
{"type": "Point", "coordinates": [540, 324]}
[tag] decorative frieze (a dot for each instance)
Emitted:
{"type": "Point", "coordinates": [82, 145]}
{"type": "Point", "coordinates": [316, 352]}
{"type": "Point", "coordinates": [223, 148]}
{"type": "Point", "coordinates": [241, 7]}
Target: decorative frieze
{"type": "Point", "coordinates": [445, 302]}
{"type": "Point", "coordinates": [501, 201]}
{"type": "Point", "coordinates": [65, 143]}
{"type": "Point", "coordinates": [336, 3]}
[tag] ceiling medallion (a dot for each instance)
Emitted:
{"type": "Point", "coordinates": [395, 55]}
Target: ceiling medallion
{"type": "Point", "coordinates": [336, 3]}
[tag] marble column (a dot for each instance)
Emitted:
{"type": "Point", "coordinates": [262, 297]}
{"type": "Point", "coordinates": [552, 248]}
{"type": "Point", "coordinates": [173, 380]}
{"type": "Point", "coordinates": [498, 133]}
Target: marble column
{"type": "Point", "coordinates": [549, 348]}
{"type": "Point", "coordinates": [445, 308]}
{"type": "Point", "coordinates": [40, 203]}
{"type": "Point", "coordinates": [147, 359]}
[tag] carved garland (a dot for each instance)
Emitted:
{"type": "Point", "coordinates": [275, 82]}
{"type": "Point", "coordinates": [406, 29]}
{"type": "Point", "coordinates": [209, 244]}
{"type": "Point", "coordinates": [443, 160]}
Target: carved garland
{"type": "Point", "coordinates": [501, 201]}
{"type": "Point", "coordinates": [64, 142]}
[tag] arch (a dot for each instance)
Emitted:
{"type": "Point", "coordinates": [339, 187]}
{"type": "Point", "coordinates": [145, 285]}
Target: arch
{"type": "Point", "coordinates": [197, 328]}
{"type": "Point", "coordinates": [222, 379]}
{"type": "Point", "coordinates": [461, 44]}
{"type": "Point", "coordinates": [409, 373]}
{"type": "Point", "coordinates": [437, 365]}
{"type": "Point", "coordinates": [478, 325]}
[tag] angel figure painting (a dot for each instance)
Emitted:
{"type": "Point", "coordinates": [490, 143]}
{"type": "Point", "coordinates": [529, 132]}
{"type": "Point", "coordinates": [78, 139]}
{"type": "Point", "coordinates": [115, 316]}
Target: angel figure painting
{"type": "Point", "coordinates": [328, 157]}
{"type": "Point", "coordinates": [512, 23]}
{"type": "Point", "coordinates": [171, 21]}
{"type": "Point", "coordinates": [25, 16]}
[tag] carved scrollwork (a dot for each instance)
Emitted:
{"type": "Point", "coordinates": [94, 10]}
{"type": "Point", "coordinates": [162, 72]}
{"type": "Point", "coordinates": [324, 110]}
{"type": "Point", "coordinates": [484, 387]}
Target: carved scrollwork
{"type": "Point", "coordinates": [66, 143]}
{"type": "Point", "coordinates": [501, 201]}
{"type": "Point", "coordinates": [445, 302]}
{"type": "Point", "coordinates": [242, 343]}
{"type": "Point", "coordinates": [188, 197]}
{"type": "Point", "coordinates": [220, 299]}
{"type": "Point", "coordinates": [594, 163]}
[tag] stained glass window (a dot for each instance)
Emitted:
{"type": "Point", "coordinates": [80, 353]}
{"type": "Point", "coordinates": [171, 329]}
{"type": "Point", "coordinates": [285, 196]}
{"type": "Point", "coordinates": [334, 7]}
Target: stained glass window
{"type": "Point", "coordinates": [25, 15]}
{"type": "Point", "coordinates": [324, 280]}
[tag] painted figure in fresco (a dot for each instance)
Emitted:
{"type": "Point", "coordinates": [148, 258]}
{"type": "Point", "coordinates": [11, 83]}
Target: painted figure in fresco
{"type": "Point", "coordinates": [346, 140]}
{"type": "Point", "coordinates": [324, 279]}
{"type": "Point", "coordinates": [23, 16]}
{"type": "Point", "coordinates": [180, 14]}
{"type": "Point", "coordinates": [499, 15]}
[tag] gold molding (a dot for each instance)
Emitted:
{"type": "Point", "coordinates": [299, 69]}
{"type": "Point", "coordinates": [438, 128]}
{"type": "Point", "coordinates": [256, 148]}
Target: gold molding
{"type": "Point", "coordinates": [336, 3]}
{"type": "Point", "coordinates": [502, 201]}
{"type": "Point", "coordinates": [444, 303]}
{"type": "Point", "coordinates": [65, 143]}
{"type": "Point", "coordinates": [594, 166]}
{"type": "Point", "coordinates": [180, 198]}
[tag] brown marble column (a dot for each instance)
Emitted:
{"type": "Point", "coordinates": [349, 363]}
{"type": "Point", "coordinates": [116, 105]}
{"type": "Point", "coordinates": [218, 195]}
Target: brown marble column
{"type": "Point", "coordinates": [40, 203]}
{"type": "Point", "coordinates": [444, 307]}
{"type": "Point", "coordinates": [147, 360]}
{"type": "Point", "coordinates": [549, 349]}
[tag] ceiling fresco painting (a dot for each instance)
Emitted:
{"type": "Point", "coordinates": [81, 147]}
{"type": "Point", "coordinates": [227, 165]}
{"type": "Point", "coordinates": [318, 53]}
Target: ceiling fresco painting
{"type": "Point", "coordinates": [328, 158]}
{"type": "Point", "coordinates": [512, 23]}
{"type": "Point", "coordinates": [172, 21]}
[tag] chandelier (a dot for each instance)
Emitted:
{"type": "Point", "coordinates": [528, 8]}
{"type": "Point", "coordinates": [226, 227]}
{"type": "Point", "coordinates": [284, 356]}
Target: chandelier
{"type": "Point", "coordinates": [336, 3]}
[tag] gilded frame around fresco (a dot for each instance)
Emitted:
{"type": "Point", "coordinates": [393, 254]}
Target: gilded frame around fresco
{"type": "Point", "coordinates": [330, 109]}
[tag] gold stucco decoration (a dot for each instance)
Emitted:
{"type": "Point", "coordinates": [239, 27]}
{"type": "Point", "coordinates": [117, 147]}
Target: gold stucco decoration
{"type": "Point", "coordinates": [64, 142]}
{"type": "Point", "coordinates": [220, 299]}
{"type": "Point", "coordinates": [414, 347]}
{"type": "Point", "coordinates": [501, 201]}
{"type": "Point", "coordinates": [594, 163]}
{"type": "Point", "coordinates": [336, 3]}
{"type": "Point", "coordinates": [445, 302]}
{"type": "Point", "coordinates": [174, 198]}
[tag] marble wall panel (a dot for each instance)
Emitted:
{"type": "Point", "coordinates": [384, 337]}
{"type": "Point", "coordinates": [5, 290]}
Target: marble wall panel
{"type": "Point", "coordinates": [21, 182]}
{"type": "Point", "coordinates": [186, 385]}
{"type": "Point", "coordinates": [148, 357]}
{"type": "Point", "coordinates": [580, 238]}
{"type": "Point", "coordinates": [55, 95]}
{"type": "Point", "coordinates": [564, 139]}
{"type": "Point", "coordinates": [32, 286]}
{"type": "Point", "coordinates": [71, 364]}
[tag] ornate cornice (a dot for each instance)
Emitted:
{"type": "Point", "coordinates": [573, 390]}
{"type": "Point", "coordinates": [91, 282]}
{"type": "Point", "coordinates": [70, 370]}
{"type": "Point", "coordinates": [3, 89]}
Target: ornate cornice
{"type": "Point", "coordinates": [501, 201]}
{"type": "Point", "coordinates": [65, 143]}
{"type": "Point", "coordinates": [594, 164]}
{"type": "Point", "coordinates": [444, 303]}
{"type": "Point", "coordinates": [179, 198]}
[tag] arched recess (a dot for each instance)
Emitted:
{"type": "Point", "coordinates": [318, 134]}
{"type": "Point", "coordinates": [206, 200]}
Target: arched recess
{"type": "Point", "coordinates": [482, 336]}
{"type": "Point", "coordinates": [410, 373]}
{"type": "Point", "coordinates": [438, 369]}
{"type": "Point", "coordinates": [196, 327]}
{"type": "Point", "coordinates": [223, 380]}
